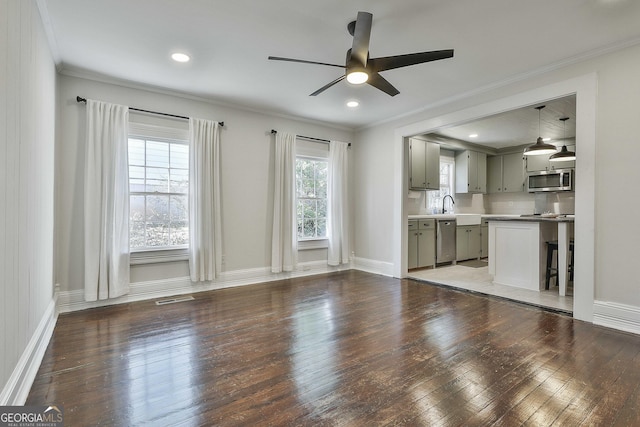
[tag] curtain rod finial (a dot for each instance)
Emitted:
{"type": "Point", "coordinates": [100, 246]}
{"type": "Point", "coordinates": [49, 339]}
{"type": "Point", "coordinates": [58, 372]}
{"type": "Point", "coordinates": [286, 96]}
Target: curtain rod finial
{"type": "Point", "coordinates": [80, 99]}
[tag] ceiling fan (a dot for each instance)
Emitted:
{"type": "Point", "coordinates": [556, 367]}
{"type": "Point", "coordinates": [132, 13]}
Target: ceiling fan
{"type": "Point", "coordinates": [359, 68]}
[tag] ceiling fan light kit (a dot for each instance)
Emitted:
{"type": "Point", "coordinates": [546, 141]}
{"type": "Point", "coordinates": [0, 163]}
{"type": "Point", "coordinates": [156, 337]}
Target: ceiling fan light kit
{"type": "Point", "coordinates": [357, 77]}
{"type": "Point", "coordinates": [359, 68]}
{"type": "Point", "coordinates": [540, 147]}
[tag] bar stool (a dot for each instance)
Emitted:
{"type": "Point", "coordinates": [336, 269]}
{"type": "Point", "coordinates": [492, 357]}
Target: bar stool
{"type": "Point", "coordinates": [552, 248]}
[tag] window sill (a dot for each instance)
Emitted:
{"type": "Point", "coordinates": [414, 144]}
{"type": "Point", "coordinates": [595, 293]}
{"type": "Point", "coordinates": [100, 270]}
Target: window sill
{"type": "Point", "coordinates": [157, 256]}
{"type": "Point", "coordinates": [305, 245]}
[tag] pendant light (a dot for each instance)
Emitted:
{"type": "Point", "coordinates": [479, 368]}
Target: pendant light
{"type": "Point", "coordinates": [539, 148]}
{"type": "Point", "coordinates": [564, 154]}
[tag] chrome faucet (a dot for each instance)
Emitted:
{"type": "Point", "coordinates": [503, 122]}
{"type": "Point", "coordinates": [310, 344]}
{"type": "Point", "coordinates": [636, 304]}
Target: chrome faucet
{"type": "Point", "coordinates": [445, 198]}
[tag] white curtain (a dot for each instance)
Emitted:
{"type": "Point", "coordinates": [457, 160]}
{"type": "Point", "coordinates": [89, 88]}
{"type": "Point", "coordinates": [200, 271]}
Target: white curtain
{"type": "Point", "coordinates": [106, 202]}
{"type": "Point", "coordinates": [338, 203]}
{"type": "Point", "coordinates": [205, 240]}
{"type": "Point", "coordinates": [284, 246]}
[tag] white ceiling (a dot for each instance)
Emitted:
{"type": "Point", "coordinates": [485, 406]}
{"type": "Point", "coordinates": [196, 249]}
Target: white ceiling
{"type": "Point", "coordinates": [229, 42]}
{"type": "Point", "coordinates": [520, 126]}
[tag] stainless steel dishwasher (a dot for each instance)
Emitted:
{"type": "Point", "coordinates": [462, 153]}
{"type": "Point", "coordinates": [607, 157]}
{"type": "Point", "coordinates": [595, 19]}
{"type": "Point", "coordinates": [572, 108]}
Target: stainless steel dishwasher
{"type": "Point", "coordinates": [446, 241]}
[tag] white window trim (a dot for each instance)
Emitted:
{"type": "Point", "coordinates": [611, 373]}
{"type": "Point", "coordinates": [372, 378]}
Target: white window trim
{"type": "Point", "coordinates": [158, 255]}
{"type": "Point", "coordinates": [314, 151]}
{"type": "Point", "coordinates": [168, 254]}
{"type": "Point", "coordinates": [310, 244]}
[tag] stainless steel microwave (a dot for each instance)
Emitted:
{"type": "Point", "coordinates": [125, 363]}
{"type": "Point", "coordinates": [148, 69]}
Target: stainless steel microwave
{"type": "Point", "coordinates": [552, 180]}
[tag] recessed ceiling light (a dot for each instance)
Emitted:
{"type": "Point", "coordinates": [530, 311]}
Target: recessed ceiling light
{"type": "Point", "coordinates": [352, 104]}
{"type": "Point", "coordinates": [180, 57]}
{"type": "Point", "coordinates": [473, 135]}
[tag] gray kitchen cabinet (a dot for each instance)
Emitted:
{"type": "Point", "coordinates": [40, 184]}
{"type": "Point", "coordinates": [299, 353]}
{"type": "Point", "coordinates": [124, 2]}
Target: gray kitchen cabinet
{"type": "Point", "coordinates": [468, 242]}
{"type": "Point", "coordinates": [505, 173]}
{"type": "Point", "coordinates": [471, 172]}
{"type": "Point", "coordinates": [422, 243]}
{"type": "Point", "coordinates": [424, 163]}
{"type": "Point", "coordinates": [542, 163]}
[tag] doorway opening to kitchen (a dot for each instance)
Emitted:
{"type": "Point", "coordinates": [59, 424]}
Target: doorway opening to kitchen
{"type": "Point", "coordinates": [481, 164]}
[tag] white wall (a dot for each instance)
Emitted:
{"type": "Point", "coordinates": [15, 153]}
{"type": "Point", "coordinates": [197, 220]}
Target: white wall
{"type": "Point", "coordinates": [247, 176]}
{"type": "Point", "coordinates": [27, 118]}
{"type": "Point", "coordinates": [617, 232]}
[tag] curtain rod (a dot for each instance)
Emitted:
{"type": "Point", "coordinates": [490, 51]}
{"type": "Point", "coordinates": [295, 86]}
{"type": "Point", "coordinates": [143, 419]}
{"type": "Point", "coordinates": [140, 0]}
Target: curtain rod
{"type": "Point", "coordinates": [80, 99]}
{"type": "Point", "coordinates": [310, 138]}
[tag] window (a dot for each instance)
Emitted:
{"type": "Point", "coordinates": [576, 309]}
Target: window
{"type": "Point", "coordinates": [158, 193]}
{"type": "Point", "coordinates": [311, 191]}
{"type": "Point", "coordinates": [447, 174]}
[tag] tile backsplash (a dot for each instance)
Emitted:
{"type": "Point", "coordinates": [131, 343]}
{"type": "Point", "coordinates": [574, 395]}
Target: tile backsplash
{"type": "Point", "coordinates": [500, 203]}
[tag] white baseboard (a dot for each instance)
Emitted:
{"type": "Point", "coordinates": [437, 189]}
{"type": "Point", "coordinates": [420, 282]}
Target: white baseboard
{"type": "Point", "coordinates": [373, 266]}
{"type": "Point", "coordinates": [74, 300]}
{"type": "Point", "coordinates": [617, 316]}
{"type": "Point", "coordinates": [16, 390]}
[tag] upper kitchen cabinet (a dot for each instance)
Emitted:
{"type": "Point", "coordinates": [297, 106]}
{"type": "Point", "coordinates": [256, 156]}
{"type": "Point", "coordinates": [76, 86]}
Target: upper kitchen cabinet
{"type": "Point", "coordinates": [471, 172]}
{"type": "Point", "coordinates": [424, 163]}
{"type": "Point", "coordinates": [505, 173]}
{"type": "Point", "coordinates": [542, 163]}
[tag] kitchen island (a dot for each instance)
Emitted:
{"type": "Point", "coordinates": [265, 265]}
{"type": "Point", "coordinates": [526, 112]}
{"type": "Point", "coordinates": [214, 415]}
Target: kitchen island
{"type": "Point", "coordinates": [517, 249]}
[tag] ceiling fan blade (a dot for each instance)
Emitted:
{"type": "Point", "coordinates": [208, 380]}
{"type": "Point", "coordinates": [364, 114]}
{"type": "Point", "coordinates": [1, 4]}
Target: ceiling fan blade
{"type": "Point", "coordinates": [361, 36]}
{"type": "Point", "coordinates": [327, 86]}
{"type": "Point", "coordinates": [379, 82]}
{"type": "Point", "coordinates": [279, 58]}
{"type": "Point", "coordinates": [398, 61]}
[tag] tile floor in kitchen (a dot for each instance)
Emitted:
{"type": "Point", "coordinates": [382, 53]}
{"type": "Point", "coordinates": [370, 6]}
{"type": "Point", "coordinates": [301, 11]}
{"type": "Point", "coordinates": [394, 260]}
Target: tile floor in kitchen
{"type": "Point", "coordinates": [474, 276]}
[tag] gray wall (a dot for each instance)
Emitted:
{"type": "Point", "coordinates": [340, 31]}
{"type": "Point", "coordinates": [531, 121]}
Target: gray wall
{"type": "Point", "coordinates": [617, 231]}
{"type": "Point", "coordinates": [27, 131]}
{"type": "Point", "coordinates": [247, 176]}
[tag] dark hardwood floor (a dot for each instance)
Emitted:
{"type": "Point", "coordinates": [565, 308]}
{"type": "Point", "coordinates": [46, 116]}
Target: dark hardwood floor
{"type": "Point", "coordinates": [343, 349]}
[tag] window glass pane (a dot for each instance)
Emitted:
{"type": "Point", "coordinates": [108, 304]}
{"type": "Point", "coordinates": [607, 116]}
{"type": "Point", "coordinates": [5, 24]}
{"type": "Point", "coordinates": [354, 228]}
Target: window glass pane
{"type": "Point", "coordinates": [136, 179]}
{"type": "Point", "coordinates": [179, 210]}
{"type": "Point", "coordinates": [179, 156]}
{"type": "Point", "coordinates": [179, 181]}
{"type": "Point", "coordinates": [157, 219]}
{"type": "Point", "coordinates": [322, 208]}
{"type": "Point", "coordinates": [309, 208]}
{"type": "Point", "coordinates": [300, 228]}
{"type": "Point", "coordinates": [157, 154]}
{"type": "Point", "coordinates": [322, 227]}
{"type": "Point", "coordinates": [311, 190]}
{"type": "Point", "coordinates": [157, 208]}
{"type": "Point", "coordinates": [157, 234]}
{"type": "Point", "coordinates": [179, 233]}
{"type": "Point", "coordinates": [136, 152]}
{"type": "Point", "coordinates": [157, 180]}
{"type": "Point", "coordinates": [136, 208]}
{"type": "Point", "coordinates": [309, 228]}
{"type": "Point", "coordinates": [136, 234]}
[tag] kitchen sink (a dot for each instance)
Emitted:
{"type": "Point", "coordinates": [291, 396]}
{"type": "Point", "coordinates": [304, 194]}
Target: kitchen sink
{"type": "Point", "coordinates": [468, 219]}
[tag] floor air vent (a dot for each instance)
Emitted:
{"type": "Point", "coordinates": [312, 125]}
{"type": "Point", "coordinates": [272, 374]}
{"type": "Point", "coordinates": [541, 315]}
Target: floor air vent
{"type": "Point", "coordinates": [174, 300]}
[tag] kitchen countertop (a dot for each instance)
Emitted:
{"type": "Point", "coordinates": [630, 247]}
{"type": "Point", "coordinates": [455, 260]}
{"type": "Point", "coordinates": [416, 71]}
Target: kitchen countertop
{"type": "Point", "coordinates": [454, 215]}
{"type": "Point", "coordinates": [534, 218]}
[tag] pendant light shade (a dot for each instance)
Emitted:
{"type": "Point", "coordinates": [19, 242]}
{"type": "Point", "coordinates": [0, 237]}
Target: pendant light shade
{"type": "Point", "coordinates": [564, 154]}
{"type": "Point", "coordinates": [540, 147]}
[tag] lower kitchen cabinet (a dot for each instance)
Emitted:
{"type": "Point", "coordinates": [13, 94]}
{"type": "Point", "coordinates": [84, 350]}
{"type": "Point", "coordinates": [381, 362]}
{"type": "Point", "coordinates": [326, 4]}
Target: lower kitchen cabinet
{"type": "Point", "coordinates": [468, 242]}
{"type": "Point", "coordinates": [484, 237]}
{"type": "Point", "coordinates": [422, 243]}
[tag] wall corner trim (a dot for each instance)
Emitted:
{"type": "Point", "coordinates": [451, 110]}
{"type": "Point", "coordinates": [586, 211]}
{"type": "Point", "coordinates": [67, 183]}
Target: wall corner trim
{"type": "Point", "coordinates": [16, 390]}
{"type": "Point", "coordinates": [617, 316]}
